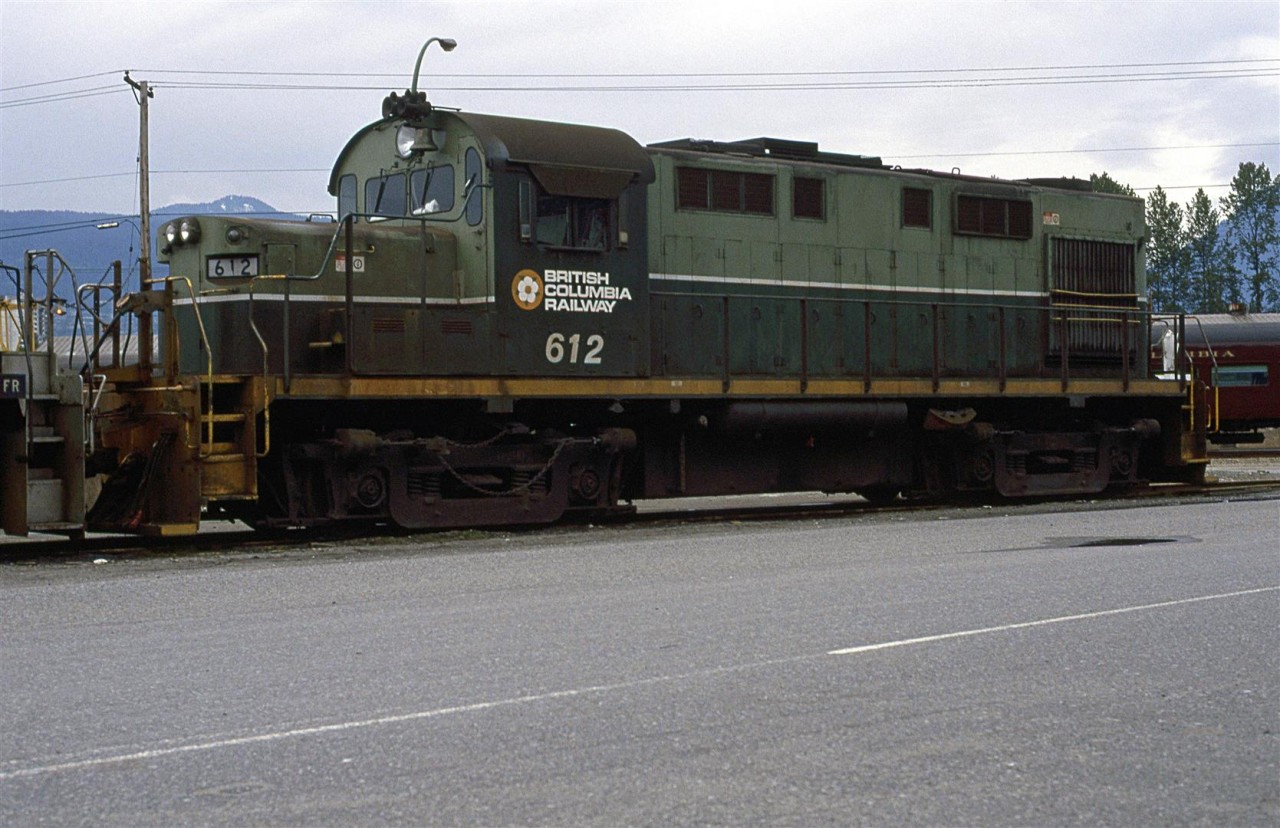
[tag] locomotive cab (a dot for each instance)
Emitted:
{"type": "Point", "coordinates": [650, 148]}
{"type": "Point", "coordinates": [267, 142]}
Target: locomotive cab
{"type": "Point", "coordinates": [549, 227]}
{"type": "Point", "coordinates": [465, 245]}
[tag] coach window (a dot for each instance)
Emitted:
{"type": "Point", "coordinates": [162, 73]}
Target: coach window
{"type": "Point", "coordinates": [1240, 376]}
{"type": "Point", "coordinates": [431, 190]}
{"type": "Point", "coordinates": [808, 198]}
{"type": "Point", "coordinates": [917, 208]}
{"type": "Point", "coordinates": [385, 196]}
{"type": "Point", "coordinates": [346, 196]}
{"type": "Point", "coordinates": [471, 187]}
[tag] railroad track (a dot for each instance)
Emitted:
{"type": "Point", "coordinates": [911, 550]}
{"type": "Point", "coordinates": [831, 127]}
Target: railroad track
{"type": "Point", "coordinates": [1246, 453]}
{"type": "Point", "coordinates": [244, 541]}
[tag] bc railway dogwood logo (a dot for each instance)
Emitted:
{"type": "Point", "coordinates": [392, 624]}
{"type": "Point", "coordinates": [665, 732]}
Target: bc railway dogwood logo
{"type": "Point", "coordinates": [526, 289]}
{"type": "Point", "coordinates": [572, 291]}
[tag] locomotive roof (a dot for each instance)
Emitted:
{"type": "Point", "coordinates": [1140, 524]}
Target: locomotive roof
{"type": "Point", "coordinates": [539, 144]}
{"type": "Point", "coordinates": [1238, 328]}
{"type": "Point", "coordinates": [526, 141]}
{"type": "Point", "coordinates": [551, 144]}
{"type": "Point", "coordinates": [781, 149]}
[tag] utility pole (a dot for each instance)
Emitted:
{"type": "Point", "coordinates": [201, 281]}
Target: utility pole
{"type": "Point", "coordinates": [142, 91]}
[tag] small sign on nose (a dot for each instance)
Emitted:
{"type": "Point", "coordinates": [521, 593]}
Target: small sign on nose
{"type": "Point", "coordinates": [13, 385]}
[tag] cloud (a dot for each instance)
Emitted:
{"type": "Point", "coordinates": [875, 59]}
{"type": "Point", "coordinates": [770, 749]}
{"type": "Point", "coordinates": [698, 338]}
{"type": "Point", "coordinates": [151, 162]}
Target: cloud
{"type": "Point", "coordinates": [209, 141]}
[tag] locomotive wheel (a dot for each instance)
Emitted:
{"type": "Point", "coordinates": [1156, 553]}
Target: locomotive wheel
{"type": "Point", "coordinates": [878, 495]}
{"type": "Point", "coordinates": [982, 467]}
{"type": "Point", "coordinates": [371, 491]}
{"type": "Point", "coordinates": [1122, 463]}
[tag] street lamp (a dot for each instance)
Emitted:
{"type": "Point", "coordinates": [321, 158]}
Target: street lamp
{"type": "Point", "coordinates": [446, 43]}
{"type": "Point", "coordinates": [115, 224]}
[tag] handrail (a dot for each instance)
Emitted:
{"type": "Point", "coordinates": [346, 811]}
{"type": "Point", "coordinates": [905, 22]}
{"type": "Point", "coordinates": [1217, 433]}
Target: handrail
{"type": "Point", "coordinates": [330, 252]}
{"type": "Point", "coordinates": [1184, 363]}
{"type": "Point", "coordinates": [99, 323]}
{"type": "Point", "coordinates": [204, 339]}
{"type": "Point", "coordinates": [938, 316]}
{"type": "Point", "coordinates": [50, 299]}
{"type": "Point", "coordinates": [1214, 422]}
{"type": "Point", "coordinates": [1089, 295]}
{"type": "Point", "coordinates": [94, 400]}
{"type": "Point", "coordinates": [24, 338]}
{"type": "Point", "coordinates": [266, 393]}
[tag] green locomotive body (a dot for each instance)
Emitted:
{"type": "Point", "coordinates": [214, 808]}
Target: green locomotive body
{"type": "Point", "coordinates": [512, 319]}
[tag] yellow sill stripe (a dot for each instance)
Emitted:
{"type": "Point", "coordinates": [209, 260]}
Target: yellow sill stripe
{"type": "Point", "coordinates": [668, 387]}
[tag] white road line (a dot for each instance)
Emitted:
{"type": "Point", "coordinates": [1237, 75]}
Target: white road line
{"type": "Point", "coordinates": [279, 735]}
{"type": "Point", "coordinates": [1084, 616]}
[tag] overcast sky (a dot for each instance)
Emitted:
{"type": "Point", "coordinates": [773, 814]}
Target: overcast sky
{"type": "Point", "coordinates": [258, 98]}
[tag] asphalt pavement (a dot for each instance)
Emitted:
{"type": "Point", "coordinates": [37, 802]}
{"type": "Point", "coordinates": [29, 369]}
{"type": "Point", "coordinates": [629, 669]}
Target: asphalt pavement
{"type": "Point", "coordinates": [1063, 665]}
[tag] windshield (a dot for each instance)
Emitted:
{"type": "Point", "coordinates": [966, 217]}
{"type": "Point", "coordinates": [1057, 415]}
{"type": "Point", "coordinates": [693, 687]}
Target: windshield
{"type": "Point", "coordinates": [385, 196]}
{"type": "Point", "coordinates": [431, 190]}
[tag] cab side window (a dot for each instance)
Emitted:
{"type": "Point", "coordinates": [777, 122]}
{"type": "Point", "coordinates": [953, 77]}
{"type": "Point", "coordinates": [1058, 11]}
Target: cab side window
{"type": "Point", "coordinates": [471, 186]}
{"type": "Point", "coordinates": [567, 221]}
{"type": "Point", "coordinates": [346, 196]}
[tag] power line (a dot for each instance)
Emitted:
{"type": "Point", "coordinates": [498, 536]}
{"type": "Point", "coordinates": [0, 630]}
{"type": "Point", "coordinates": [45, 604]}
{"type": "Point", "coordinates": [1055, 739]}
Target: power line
{"type": "Point", "coordinates": [1081, 151]}
{"type": "Point", "coordinates": [67, 180]}
{"type": "Point", "coordinates": [942, 83]}
{"type": "Point", "coordinates": [59, 227]}
{"type": "Point", "coordinates": [162, 172]}
{"type": "Point", "coordinates": [61, 80]}
{"type": "Point", "coordinates": [753, 74]}
{"type": "Point", "coordinates": [96, 92]}
{"type": "Point", "coordinates": [772, 81]}
{"type": "Point", "coordinates": [96, 219]}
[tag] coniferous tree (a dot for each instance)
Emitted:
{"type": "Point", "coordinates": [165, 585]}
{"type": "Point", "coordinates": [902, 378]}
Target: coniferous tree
{"type": "Point", "coordinates": [1251, 234]}
{"type": "Point", "coordinates": [1212, 280]}
{"type": "Point", "coordinates": [1104, 183]}
{"type": "Point", "coordinates": [1168, 257]}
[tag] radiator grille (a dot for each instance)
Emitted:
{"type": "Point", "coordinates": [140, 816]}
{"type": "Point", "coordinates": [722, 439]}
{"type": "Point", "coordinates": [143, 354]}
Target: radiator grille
{"type": "Point", "coordinates": [1094, 284]}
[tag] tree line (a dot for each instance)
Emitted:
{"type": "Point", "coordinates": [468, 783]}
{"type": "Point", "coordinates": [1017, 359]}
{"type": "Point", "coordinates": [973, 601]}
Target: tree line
{"type": "Point", "coordinates": [1205, 257]}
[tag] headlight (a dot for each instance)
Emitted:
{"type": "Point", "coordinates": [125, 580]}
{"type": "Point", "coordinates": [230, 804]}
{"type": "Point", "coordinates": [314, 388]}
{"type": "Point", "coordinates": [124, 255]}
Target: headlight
{"type": "Point", "coordinates": [406, 137]}
{"type": "Point", "coordinates": [189, 231]}
{"type": "Point", "coordinates": [411, 140]}
{"type": "Point", "coordinates": [170, 233]}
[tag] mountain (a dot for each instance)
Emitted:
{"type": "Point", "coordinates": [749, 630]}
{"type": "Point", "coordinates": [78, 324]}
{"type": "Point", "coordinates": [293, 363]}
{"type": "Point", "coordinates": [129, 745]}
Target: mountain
{"type": "Point", "coordinates": [226, 204]}
{"type": "Point", "coordinates": [90, 242]}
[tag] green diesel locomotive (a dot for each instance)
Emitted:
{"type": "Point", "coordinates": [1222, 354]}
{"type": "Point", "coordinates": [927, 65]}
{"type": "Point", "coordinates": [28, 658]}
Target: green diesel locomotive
{"type": "Point", "coordinates": [514, 319]}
